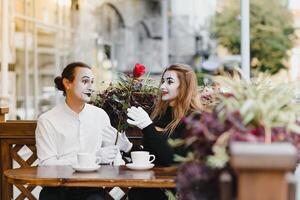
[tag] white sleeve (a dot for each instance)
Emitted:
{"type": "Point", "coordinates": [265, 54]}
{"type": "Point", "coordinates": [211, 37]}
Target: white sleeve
{"type": "Point", "coordinates": [46, 144]}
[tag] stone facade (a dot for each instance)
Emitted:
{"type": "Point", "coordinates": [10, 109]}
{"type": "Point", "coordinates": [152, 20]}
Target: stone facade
{"type": "Point", "coordinates": [122, 31]}
{"type": "Point", "coordinates": [130, 31]}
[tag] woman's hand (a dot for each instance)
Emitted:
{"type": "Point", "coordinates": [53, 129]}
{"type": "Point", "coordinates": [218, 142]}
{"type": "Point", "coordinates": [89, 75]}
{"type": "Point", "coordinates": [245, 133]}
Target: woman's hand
{"type": "Point", "coordinates": [138, 117]}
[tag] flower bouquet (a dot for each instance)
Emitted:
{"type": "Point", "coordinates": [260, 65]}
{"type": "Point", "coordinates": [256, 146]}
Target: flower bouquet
{"type": "Point", "coordinates": [130, 90]}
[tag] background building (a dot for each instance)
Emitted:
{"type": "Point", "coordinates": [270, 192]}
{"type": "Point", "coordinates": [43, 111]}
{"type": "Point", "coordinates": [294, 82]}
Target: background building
{"type": "Point", "coordinates": [42, 36]}
{"type": "Point", "coordinates": [294, 6]}
{"type": "Point", "coordinates": [111, 35]}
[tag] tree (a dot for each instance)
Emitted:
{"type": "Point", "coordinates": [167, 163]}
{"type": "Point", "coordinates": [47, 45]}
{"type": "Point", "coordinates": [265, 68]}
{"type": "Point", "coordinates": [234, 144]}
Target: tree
{"type": "Point", "coordinates": [271, 32]}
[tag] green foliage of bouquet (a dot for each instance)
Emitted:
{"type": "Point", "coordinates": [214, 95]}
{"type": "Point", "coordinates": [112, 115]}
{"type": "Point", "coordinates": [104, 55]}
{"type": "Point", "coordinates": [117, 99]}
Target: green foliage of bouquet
{"type": "Point", "coordinates": [130, 90]}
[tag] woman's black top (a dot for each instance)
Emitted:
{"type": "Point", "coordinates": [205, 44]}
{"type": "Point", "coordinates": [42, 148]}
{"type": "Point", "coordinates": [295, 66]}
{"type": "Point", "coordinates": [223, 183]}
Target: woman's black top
{"type": "Point", "coordinates": [157, 142]}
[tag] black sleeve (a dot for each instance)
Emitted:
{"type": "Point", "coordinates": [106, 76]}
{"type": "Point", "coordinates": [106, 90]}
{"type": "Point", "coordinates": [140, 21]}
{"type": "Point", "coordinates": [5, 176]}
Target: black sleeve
{"type": "Point", "coordinates": [157, 143]}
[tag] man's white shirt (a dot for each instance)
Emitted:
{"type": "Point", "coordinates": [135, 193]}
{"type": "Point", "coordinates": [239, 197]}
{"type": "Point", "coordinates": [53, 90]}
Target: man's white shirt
{"type": "Point", "coordinates": [61, 133]}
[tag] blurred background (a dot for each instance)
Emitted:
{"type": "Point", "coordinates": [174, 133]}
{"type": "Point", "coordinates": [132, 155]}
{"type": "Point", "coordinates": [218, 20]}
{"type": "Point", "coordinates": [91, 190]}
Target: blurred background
{"type": "Point", "coordinates": [39, 37]}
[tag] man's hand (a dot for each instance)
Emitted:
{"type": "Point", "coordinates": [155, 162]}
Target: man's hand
{"type": "Point", "coordinates": [109, 137]}
{"type": "Point", "coordinates": [108, 154]}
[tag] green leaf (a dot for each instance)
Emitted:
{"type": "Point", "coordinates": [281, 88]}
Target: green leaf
{"type": "Point", "coordinates": [175, 142]}
{"type": "Point", "coordinates": [190, 157]}
{"type": "Point", "coordinates": [170, 195]}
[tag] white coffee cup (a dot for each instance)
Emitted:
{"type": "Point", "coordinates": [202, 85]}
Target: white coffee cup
{"type": "Point", "coordinates": [87, 159]}
{"type": "Point", "coordinates": [142, 158]}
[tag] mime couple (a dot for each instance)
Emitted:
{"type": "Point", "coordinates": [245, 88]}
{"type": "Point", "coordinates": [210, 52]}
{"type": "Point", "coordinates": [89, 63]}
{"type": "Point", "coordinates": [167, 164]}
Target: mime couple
{"type": "Point", "coordinates": [74, 126]}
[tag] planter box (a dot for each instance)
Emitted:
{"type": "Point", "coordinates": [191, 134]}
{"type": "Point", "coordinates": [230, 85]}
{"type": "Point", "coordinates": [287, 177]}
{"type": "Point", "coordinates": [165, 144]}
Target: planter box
{"type": "Point", "coordinates": [262, 169]}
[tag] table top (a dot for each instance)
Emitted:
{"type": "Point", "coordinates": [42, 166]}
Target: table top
{"type": "Point", "coordinates": [105, 176]}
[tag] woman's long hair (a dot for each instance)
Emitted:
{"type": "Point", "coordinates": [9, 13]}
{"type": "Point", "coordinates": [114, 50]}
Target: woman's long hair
{"type": "Point", "coordinates": [187, 100]}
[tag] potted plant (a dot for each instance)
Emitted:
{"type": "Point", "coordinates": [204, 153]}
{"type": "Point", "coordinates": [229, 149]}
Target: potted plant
{"type": "Point", "coordinates": [259, 113]}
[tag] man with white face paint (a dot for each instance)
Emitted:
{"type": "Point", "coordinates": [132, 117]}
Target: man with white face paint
{"type": "Point", "coordinates": [71, 127]}
{"type": "Point", "coordinates": [179, 98]}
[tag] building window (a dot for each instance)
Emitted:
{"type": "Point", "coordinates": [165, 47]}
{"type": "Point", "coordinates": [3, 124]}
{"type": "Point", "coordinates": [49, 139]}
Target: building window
{"type": "Point", "coordinates": [42, 42]}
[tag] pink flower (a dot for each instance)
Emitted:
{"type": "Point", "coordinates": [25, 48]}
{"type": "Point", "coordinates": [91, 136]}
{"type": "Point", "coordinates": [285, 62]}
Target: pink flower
{"type": "Point", "coordinates": [138, 70]}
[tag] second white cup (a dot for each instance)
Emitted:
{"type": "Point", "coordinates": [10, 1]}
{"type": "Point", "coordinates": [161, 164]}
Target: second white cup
{"type": "Point", "coordinates": [142, 158]}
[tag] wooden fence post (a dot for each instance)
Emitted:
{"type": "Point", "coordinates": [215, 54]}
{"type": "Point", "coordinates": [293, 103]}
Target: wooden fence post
{"type": "Point", "coordinates": [3, 111]}
{"type": "Point", "coordinates": [262, 169]}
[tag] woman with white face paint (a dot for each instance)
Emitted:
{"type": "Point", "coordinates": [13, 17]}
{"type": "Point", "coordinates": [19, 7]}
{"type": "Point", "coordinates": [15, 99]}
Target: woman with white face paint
{"type": "Point", "coordinates": [178, 98]}
{"type": "Point", "coordinates": [71, 127]}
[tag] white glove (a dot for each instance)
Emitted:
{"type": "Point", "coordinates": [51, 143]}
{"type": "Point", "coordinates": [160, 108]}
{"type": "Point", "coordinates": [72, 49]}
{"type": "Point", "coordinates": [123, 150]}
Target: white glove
{"type": "Point", "coordinates": [139, 116]}
{"type": "Point", "coordinates": [118, 160]}
{"type": "Point", "coordinates": [109, 137]}
{"type": "Point", "coordinates": [108, 154]}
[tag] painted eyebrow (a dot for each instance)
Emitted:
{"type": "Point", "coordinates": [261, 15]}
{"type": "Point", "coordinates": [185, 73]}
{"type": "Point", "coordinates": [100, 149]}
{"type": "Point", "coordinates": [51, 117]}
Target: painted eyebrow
{"type": "Point", "coordinates": [85, 77]}
{"type": "Point", "coordinates": [170, 78]}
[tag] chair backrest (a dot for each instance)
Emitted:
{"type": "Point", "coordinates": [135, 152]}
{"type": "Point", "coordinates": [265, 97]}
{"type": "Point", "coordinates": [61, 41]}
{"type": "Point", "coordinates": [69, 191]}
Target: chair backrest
{"type": "Point", "coordinates": [15, 137]}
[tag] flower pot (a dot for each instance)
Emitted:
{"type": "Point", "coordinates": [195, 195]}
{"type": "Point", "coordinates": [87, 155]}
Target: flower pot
{"type": "Point", "coordinates": [262, 169]}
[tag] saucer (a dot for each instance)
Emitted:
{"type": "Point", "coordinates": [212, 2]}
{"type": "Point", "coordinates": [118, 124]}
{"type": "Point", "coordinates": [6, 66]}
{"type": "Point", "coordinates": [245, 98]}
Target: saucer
{"type": "Point", "coordinates": [85, 169]}
{"type": "Point", "coordinates": [139, 167]}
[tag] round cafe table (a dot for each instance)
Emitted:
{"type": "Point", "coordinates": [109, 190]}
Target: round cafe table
{"type": "Point", "coordinates": [105, 176]}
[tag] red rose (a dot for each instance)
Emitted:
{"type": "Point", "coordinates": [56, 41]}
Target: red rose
{"type": "Point", "coordinates": [138, 70]}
